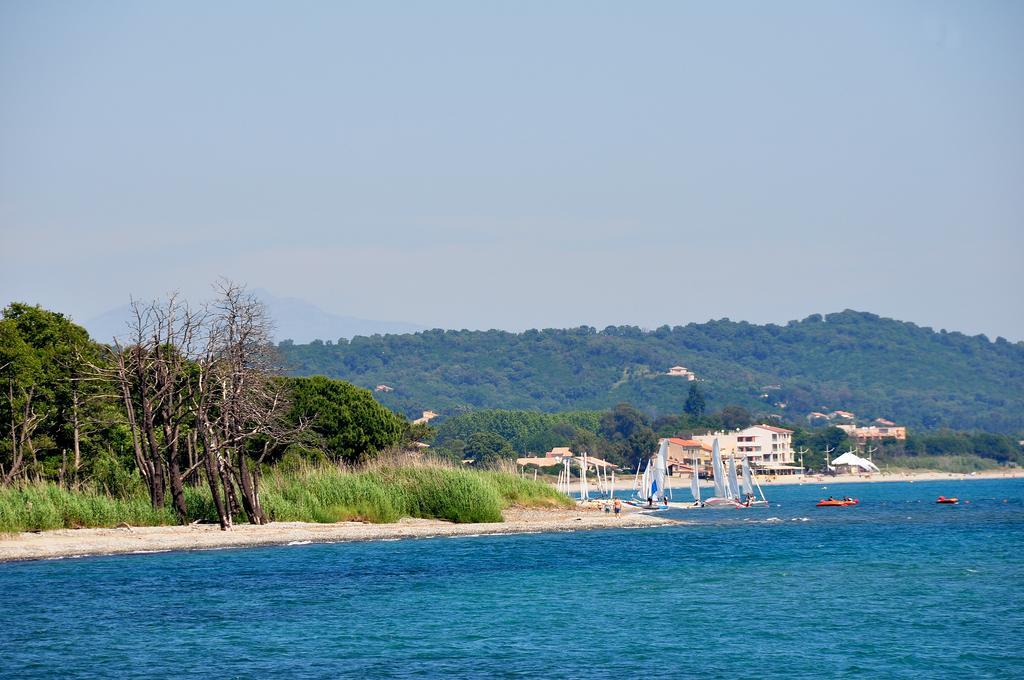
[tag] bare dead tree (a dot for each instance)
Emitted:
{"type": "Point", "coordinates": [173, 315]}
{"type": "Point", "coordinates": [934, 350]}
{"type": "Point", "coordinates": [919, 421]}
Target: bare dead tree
{"type": "Point", "coordinates": [153, 374]}
{"type": "Point", "coordinates": [238, 405]}
{"type": "Point", "coordinates": [198, 391]}
{"type": "Point", "coordinates": [22, 425]}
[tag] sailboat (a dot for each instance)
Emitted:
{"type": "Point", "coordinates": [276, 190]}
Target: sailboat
{"type": "Point", "coordinates": [651, 490]}
{"type": "Point", "coordinates": [695, 484]}
{"type": "Point", "coordinates": [750, 500]}
{"type": "Point", "coordinates": [724, 497]}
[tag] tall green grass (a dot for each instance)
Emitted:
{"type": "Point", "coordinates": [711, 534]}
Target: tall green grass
{"type": "Point", "coordinates": [388, 490]}
{"type": "Point", "coordinates": [38, 507]}
{"type": "Point", "coordinates": [380, 492]}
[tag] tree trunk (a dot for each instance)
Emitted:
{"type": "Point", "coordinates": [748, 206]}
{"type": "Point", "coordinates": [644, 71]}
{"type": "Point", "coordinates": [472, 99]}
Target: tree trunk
{"type": "Point", "coordinates": [76, 439]}
{"type": "Point", "coordinates": [174, 472]}
{"type": "Point", "coordinates": [158, 486]}
{"type": "Point", "coordinates": [250, 497]}
{"type": "Point", "coordinates": [190, 450]}
{"type": "Point", "coordinates": [233, 508]}
{"type": "Point", "coordinates": [213, 480]}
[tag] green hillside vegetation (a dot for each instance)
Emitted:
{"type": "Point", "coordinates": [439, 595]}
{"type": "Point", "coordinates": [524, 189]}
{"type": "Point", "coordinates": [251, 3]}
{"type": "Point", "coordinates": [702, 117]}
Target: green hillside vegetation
{"type": "Point", "coordinates": [855, 361]}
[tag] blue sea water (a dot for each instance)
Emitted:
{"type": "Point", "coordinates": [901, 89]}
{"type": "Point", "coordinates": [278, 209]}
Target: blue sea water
{"type": "Point", "coordinates": [898, 587]}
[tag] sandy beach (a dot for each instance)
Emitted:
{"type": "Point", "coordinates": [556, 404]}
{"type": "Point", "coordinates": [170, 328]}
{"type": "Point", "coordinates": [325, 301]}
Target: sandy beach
{"type": "Point", "coordinates": [124, 540]}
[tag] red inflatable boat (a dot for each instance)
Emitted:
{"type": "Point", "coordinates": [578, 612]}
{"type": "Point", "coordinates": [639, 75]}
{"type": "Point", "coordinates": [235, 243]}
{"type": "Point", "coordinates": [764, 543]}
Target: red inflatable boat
{"type": "Point", "coordinates": [837, 502]}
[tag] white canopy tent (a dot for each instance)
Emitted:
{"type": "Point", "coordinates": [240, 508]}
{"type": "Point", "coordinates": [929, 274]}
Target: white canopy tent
{"type": "Point", "coordinates": [853, 460]}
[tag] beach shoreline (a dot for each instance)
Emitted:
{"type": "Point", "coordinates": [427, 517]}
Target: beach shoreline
{"type": "Point", "coordinates": [626, 483]}
{"type": "Point", "coordinates": [72, 543]}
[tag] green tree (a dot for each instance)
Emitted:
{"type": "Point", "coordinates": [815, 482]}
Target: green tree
{"type": "Point", "coordinates": [695, 401]}
{"type": "Point", "coordinates": [350, 423]}
{"type": "Point", "coordinates": [733, 417]}
{"type": "Point", "coordinates": [487, 448]}
{"type": "Point", "coordinates": [42, 402]}
{"type": "Point", "coordinates": [629, 436]}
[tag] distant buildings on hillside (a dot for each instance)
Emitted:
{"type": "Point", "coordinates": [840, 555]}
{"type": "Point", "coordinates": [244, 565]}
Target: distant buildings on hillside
{"type": "Point", "coordinates": [682, 372]}
{"type": "Point", "coordinates": [865, 434]}
{"type": "Point", "coordinates": [880, 428]}
{"type": "Point", "coordinates": [425, 418]}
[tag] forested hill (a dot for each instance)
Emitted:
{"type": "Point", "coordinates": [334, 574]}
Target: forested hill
{"type": "Point", "coordinates": [852, 361]}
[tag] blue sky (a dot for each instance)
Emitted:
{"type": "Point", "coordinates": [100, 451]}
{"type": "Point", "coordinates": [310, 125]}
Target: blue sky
{"type": "Point", "coordinates": [518, 165]}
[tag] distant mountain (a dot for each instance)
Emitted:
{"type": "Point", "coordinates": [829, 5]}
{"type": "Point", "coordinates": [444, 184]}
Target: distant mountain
{"type": "Point", "coordinates": [852, 361]}
{"type": "Point", "coordinates": [294, 319]}
{"type": "Point", "coordinates": [303, 321]}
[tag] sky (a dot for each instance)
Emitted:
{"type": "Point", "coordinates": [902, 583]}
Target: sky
{"type": "Point", "coordinates": [519, 165]}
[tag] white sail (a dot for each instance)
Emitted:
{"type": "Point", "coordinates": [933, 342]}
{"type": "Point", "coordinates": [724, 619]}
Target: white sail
{"type": "Point", "coordinates": [695, 482]}
{"type": "Point", "coordinates": [659, 482]}
{"type": "Point", "coordinates": [748, 487]}
{"type": "Point", "coordinates": [734, 487]}
{"type": "Point", "coordinates": [717, 471]}
{"type": "Point", "coordinates": [643, 491]}
{"type": "Point", "coordinates": [584, 487]}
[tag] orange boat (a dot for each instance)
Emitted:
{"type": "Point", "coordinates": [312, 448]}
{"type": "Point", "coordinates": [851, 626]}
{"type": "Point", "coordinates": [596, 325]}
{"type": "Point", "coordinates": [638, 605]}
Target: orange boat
{"type": "Point", "coordinates": [837, 502]}
{"type": "Point", "coordinates": [948, 501]}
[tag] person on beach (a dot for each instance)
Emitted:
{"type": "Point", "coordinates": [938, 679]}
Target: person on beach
{"type": "Point", "coordinates": [665, 501]}
{"type": "Point", "coordinates": [618, 506]}
{"type": "Point", "coordinates": [650, 501]}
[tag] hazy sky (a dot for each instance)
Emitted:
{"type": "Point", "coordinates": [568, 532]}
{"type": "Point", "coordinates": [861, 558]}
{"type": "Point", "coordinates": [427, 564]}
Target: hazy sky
{"type": "Point", "coordinates": [520, 164]}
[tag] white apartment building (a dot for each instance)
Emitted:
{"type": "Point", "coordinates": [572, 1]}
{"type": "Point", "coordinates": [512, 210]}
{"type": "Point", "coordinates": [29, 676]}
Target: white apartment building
{"type": "Point", "coordinates": [769, 448]}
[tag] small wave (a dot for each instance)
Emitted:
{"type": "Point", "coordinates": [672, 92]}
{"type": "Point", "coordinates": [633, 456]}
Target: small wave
{"type": "Point", "coordinates": [773, 519]}
{"type": "Point", "coordinates": [147, 552]}
{"type": "Point", "coordinates": [801, 519]}
{"type": "Point", "coordinates": [300, 543]}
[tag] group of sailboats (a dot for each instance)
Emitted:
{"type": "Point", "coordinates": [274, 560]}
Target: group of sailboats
{"type": "Point", "coordinates": [728, 493]}
{"type": "Point", "coordinates": [651, 490]}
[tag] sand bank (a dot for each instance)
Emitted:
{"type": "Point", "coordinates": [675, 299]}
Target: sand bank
{"type": "Point", "coordinates": [79, 542]}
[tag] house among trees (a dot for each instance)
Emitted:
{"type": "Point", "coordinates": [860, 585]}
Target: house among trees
{"type": "Point", "coordinates": [559, 452]}
{"type": "Point", "coordinates": [681, 372]}
{"type": "Point", "coordinates": [383, 388]}
{"type": "Point", "coordinates": [864, 434]}
{"type": "Point", "coordinates": [425, 418]}
{"type": "Point", "coordinates": [681, 454]}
